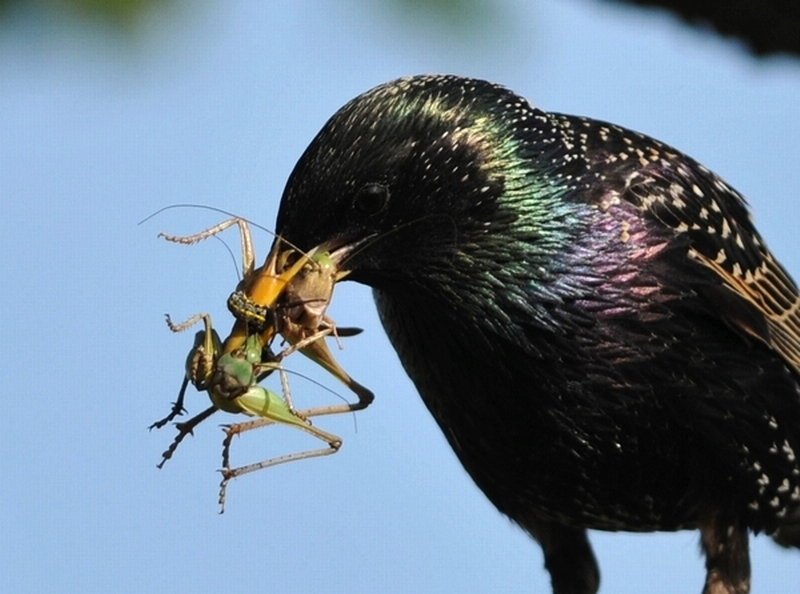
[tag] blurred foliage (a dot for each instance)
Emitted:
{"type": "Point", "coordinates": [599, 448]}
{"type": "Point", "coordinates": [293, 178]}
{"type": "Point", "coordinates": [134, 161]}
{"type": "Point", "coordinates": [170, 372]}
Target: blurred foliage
{"type": "Point", "coordinates": [467, 25]}
{"type": "Point", "coordinates": [453, 13]}
{"type": "Point", "coordinates": [127, 13]}
{"type": "Point", "coordinates": [120, 14]}
{"type": "Point", "coordinates": [765, 26]}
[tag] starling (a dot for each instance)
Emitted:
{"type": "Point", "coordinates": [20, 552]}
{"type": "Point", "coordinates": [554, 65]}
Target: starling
{"type": "Point", "coordinates": [590, 315]}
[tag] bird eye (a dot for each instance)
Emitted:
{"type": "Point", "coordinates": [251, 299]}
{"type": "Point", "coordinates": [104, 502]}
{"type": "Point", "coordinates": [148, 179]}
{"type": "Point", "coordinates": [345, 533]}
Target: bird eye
{"type": "Point", "coordinates": [371, 198]}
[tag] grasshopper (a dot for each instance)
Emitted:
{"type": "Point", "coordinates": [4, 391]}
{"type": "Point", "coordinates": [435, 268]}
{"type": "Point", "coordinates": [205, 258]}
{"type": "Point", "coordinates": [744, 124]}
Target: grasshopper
{"type": "Point", "coordinates": [230, 371]}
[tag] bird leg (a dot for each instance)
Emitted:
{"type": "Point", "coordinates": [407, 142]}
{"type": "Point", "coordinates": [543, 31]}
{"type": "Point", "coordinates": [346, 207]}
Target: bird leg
{"type": "Point", "coordinates": [724, 542]}
{"type": "Point", "coordinates": [568, 556]}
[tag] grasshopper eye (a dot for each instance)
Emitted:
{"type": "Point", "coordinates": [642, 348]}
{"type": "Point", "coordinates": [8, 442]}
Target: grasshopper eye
{"type": "Point", "coordinates": [371, 199]}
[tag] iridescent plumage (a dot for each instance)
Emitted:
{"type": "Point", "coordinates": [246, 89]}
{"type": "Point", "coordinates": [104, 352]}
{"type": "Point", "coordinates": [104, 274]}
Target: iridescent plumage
{"type": "Point", "coordinates": [589, 315]}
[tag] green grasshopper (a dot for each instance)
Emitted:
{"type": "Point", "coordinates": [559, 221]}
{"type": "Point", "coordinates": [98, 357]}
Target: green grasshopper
{"type": "Point", "coordinates": [308, 281]}
{"type": "Point", "coordinates": [231, 381]}
{"type": "Point", "coordinates": [230, 371]}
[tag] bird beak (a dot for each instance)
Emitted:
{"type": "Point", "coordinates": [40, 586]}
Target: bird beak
{"type": "Point", "coordinates": [340, 250]}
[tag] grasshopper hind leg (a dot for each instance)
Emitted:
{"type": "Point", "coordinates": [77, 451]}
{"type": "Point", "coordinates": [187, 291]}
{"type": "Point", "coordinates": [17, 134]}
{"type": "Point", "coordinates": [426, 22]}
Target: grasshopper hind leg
{"type": "Point", "coordinates": [334, 443]}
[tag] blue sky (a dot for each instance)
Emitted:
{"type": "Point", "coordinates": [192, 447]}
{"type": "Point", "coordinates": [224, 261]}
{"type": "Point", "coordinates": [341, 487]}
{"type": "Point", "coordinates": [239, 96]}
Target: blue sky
{"type": "Point", "coordinates": [213, 107]}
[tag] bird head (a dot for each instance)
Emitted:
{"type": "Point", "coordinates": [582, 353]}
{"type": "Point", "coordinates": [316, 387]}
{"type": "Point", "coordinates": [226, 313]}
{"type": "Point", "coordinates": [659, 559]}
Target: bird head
{"type": "Point", "coordinates": [405, 181]}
